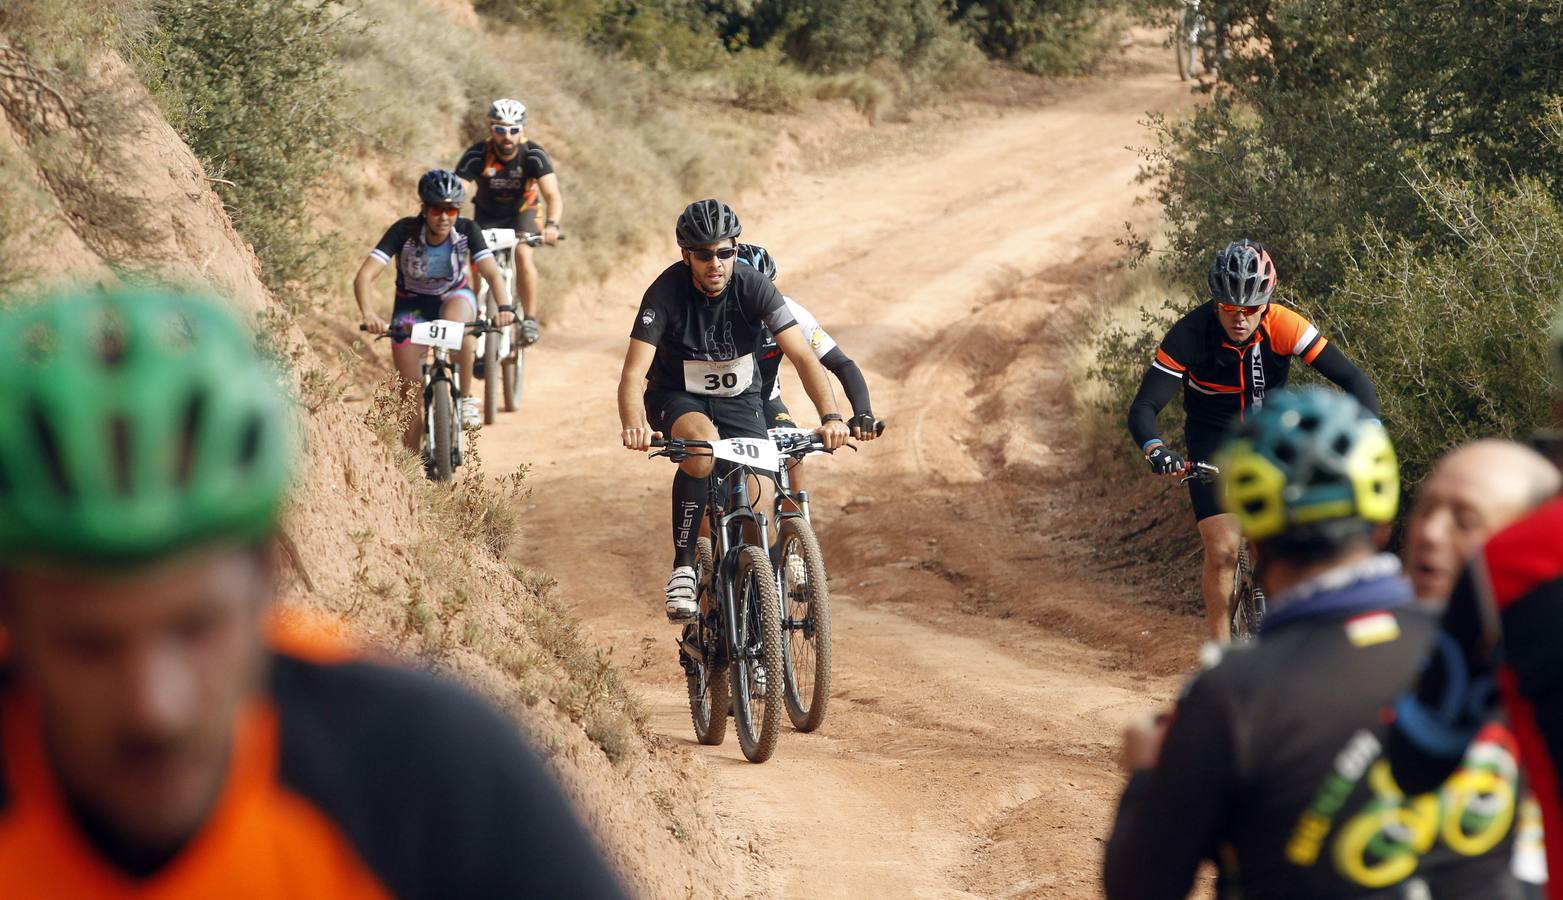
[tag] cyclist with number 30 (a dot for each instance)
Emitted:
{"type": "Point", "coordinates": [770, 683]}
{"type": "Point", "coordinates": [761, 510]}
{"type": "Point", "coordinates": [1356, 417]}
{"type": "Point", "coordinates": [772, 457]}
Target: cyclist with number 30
{"type": "Point", "coordinates": [1227, 354]}
{"type": "Point", "coordinates": [694, 348]}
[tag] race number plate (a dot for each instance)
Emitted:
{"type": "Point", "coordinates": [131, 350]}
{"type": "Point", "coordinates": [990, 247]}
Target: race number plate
{"type": "Point", "coordinates": [751, 452]}
{"type": "Point", "coordinates": [719, 378]}
{"type": "Point", "coordinates": [442, 333]}
{"type": "Point", "coordinates": [784, 433]}
{"type": "Point", "coordinates": [499, 239]}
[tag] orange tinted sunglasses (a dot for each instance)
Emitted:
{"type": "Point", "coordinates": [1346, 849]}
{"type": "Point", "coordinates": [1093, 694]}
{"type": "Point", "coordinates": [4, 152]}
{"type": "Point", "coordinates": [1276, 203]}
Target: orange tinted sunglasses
{"type": "Point", "coordinates": [1231, 310]}
{"type": "Point", "coordinates": [445, 210]}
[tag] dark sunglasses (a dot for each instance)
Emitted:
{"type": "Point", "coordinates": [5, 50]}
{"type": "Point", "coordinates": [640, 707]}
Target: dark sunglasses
{"type": "Point", "coordinates": [506, 129]}
{"type": "Point", "coordinates": [708, 255]}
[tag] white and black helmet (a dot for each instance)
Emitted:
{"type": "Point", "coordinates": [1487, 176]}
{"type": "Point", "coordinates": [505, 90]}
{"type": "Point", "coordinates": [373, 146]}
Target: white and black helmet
{"type": "Point", "coordinates": [506, 111]}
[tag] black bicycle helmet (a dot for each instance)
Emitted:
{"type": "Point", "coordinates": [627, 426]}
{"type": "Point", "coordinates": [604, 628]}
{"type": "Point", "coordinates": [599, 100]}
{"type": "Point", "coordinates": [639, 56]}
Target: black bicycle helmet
{"type": "Point", "coordinates": [1242, 274]}
{"type": "Point", "coordinates": [706, 222]}
{"type": "Point", "coordinates": [760, 258]}
{"type": "Point", "coordinates": [439, 187]}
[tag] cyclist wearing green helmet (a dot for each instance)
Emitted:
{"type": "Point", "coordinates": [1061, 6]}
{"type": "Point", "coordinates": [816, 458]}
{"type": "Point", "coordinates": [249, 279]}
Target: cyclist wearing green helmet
{"type": "Point", "coordinates": [161, 733]}
{"type": "Point", "coordinates": [1270, 765]}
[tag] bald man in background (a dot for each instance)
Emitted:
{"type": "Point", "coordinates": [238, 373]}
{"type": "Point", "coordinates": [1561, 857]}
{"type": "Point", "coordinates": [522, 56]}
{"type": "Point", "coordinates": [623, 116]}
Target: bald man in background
{"type": "Point", "coordinates": [1473, 491]}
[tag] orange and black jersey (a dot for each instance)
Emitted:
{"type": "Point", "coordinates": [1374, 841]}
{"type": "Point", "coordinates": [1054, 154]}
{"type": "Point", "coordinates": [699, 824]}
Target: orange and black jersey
{"type": "Point", "coordinates": [1222, 382]}
{"type": "Point", "coordinates": [346, 780]}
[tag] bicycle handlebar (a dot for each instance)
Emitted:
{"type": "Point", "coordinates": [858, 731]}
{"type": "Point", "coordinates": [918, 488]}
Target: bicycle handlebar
{"type": "Point", "coordinates": [1200, 471]}
{"type": "Point", "coordinates": [392, 331]}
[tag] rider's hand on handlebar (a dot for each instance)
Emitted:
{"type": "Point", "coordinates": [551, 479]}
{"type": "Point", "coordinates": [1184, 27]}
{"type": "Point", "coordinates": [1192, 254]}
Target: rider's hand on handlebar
{"type": "Point", "coordinates": [374, 324]}
{"type": "Point", "coordinates": [1165, 461]}
{"type": "Point", "coordinates": [639, 437]}
{"type": "Point", "coordinates": [834, 433]}
{"type": "Point", "coordinates": [504, 318]}
{"type": "Point", "coordinates": [550, 234]}
{"type": "Point", "coordinates": [865, 427]}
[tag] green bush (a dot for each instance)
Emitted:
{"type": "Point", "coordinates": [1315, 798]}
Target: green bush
{"type": "Point", "coordinates": [1044, 37]}
{"type": "Point", "coordinates": [252, 87]}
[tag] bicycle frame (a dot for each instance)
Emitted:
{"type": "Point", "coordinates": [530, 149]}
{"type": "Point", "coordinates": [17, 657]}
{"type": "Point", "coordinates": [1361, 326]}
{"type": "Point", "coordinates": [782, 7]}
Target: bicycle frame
{"type": "Point", "coordinates": [728, 511]}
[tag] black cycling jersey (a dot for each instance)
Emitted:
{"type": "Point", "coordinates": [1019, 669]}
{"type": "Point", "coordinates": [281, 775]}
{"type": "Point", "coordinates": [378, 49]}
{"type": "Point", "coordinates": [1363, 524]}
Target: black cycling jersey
{"type": "Point", "coordinates": [1273, 767]}
{"type": "Point", "coordinates": [406, 241]}
{"type": "Point", "coordinates": [503, 184]}
{"type": "Point", "coordinates": [708, 345]}
{"type": "Point", "coordinates": [1221, 382]}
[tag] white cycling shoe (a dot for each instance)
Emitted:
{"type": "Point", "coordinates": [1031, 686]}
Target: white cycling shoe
{"type": "Point", "coordinates": [471, 412]}
{"type": "Point", "coordinates": [681, 603]}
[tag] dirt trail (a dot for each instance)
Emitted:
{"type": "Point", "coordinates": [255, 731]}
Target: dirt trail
{"type": "Point", "coordinates": [964, 755]}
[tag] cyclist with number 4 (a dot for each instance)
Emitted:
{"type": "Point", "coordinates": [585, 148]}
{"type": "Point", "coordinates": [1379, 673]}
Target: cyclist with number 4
{"type": "Point", "coordinates": [692, 369]}
{"type": "Point", "coordinates": [512, 174]}
{"type": "Point", "coordinates": [433, 251]}
{"type": "Point", "coordinates": [1227, 355]}
{"type": "Point", "coordinates": [863, 425]}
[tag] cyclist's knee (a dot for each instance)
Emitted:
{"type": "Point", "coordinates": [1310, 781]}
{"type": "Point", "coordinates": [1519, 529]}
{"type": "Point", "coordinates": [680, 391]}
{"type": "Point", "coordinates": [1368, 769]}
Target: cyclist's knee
{"type": "Point", "coordinates": [1220, 550]}
{"type": "Point", "coordinates": [696, 466]}
{"type": "Point", "coordinates": [460, 305]}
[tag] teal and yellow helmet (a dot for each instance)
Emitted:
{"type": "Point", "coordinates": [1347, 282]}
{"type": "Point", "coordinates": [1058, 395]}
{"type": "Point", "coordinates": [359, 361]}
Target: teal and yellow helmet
{"type": "Point", "coordinates": [1308, 460]}
{"type": "Point", "coordinates": [135, 423]}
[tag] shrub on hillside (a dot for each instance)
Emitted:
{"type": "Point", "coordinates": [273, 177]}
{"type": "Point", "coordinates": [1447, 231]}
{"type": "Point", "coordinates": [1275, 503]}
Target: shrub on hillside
{"type": "Point", "coordinates": [252, 87]}
{"type": "Point", "coordinates": [1457, 341]}
{"type": "Point", "coordinates": [1044, 37]}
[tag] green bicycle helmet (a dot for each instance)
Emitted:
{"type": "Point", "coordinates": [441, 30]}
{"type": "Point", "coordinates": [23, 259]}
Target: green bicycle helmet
{"type": "Point", "coordinates": [1309, 465]}
{"type": "Point", "coordinates": [134, 424]}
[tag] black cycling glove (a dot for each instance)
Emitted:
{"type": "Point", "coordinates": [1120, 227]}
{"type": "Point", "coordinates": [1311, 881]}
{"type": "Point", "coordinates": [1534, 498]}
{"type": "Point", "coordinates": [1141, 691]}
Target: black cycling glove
{"type": "Point", "coordinates": [1164, 461]}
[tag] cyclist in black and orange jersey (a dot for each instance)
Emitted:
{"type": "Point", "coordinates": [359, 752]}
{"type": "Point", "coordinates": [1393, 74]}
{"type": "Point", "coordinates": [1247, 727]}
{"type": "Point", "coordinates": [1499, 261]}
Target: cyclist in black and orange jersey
{"type": "Point", "coordinates": [162, 734]}
{"type": "Point", "coordinates": [512, 175]}
{"type": "Point", "coordinates": [1228, 354]}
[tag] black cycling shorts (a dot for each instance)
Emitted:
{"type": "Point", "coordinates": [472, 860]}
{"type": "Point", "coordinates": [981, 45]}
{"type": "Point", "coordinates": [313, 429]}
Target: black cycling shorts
{"type": "Point", "coordinates": [1205, 496]}
{"type": "Point", "coordinates": [776, 414]}
{"type": "Point", "coordinates": [411, 309]}
{"type": "Point", "coordinates": [734, 417]}
{"type": "Point", "coordinates": [523, 220]}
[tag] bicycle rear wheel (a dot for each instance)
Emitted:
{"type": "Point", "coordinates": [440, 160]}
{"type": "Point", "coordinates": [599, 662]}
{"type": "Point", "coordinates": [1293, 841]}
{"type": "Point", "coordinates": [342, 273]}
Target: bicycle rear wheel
{"type": "Point", "coordinates": [757, 670]}
{"type": "Point", "coordinates": [444, 444]}
{"type": "Point", "coordinates": [805, 603]}
{"type": "Point", "coordinates": [710, 698]}
{"type": "Point", "coordinates": [1247, 604]}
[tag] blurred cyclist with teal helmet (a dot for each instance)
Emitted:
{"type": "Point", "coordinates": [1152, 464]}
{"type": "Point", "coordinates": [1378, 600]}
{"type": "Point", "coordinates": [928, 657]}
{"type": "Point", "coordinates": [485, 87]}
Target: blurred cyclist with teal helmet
{"type": "Point", "coordinates": [158, 726]}
{"type": "Point", "coordinates": [1269, 765]}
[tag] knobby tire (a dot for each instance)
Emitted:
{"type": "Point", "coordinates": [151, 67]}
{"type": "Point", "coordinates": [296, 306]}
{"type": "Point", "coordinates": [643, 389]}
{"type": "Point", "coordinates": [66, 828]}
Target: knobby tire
{"type": "Point", "coordinates": [806, 636]}
{"type": "Point", "coordinates": [759, 633]}
{"type": "Point", "coordinates": [444, 443]}
{"type": "Point", "coordinates": [709, 694]}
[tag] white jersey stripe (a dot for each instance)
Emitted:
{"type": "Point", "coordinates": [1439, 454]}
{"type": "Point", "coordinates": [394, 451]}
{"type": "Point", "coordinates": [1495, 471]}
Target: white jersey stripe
{"type": "Point", "coordinates": [1160, 367]}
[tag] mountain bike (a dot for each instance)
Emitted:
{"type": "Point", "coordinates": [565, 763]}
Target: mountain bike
{"type": "Point", "coordinates": [732, 653]}
{"type": "Point", "coordinates": [443, 440]}
{"type": "Point", "coordinates": [505, 354]}
{"type": "Point", "coordinates": [1194, 40]}
{"type": "Point", "coordinates": [1246, 606]}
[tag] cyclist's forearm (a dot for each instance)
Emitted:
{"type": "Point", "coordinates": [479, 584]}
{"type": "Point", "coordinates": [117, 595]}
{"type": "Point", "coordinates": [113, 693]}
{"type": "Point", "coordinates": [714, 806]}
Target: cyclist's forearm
{"type": "Point", "coordinates": [363, 283]}
{"type": "Point", "coordinates": [495, 277]}
{"type": "Point", "coordinates": [632, 404]}
{"type": "Point", "coordinates": [553, 207]}
{"type": "Point", "coordinates": [1156, 389]}
{"type": "Point", "coordinates": [852, 380]}
{"type": "Point", "coordinates": [1333, 364]}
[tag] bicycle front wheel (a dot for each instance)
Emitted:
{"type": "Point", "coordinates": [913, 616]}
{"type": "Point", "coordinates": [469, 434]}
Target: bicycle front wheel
{"type": "Point", "coordinates": [756, 672]}
{"type": "Point", "coordinates": [805, 603]}
{"type": "Point", "coordinates": [1185, 40]}
{"type": "Point", "coordinates": [1247, 604]}
{"type": "Point", "coordinates": [444, 444]}
{"type": "Point", "coordinates": [513, 367]}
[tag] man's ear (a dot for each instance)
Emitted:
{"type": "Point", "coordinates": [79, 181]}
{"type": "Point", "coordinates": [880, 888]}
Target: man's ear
{"type": "Point", "coordinates": [684, 254]}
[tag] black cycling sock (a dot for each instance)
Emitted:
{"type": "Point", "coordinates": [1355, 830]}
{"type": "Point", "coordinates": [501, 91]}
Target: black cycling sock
{"type": "Point", "coordinates": [689, 505]}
